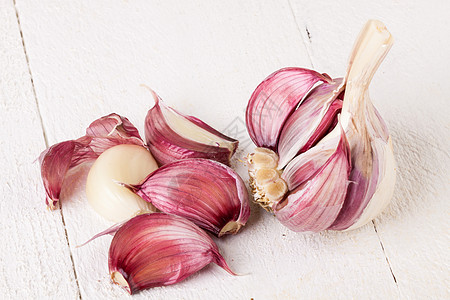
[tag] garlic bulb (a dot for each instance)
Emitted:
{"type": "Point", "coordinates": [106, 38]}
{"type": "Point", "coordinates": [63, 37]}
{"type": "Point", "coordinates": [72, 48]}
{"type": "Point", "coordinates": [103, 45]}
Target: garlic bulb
{"type": "Point", "coordinates": [102, 134]}
{"type": "Point", "coordinates": [158, 249]}
{"type": "Point", "coordinates": [206, 192]}
{"type": "Point", "coordinates": [316, 174]}
{"type": "Point", "coordinates": [123, 163]}
{"type": "Point", "coordinates": [172, 136]}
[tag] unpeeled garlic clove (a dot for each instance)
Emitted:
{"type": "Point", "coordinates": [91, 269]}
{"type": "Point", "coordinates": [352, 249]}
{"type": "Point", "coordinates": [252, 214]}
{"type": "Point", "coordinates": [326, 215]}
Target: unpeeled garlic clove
{"type": "Point", "coordinates": [122, 163]}
{"type": "Point", "coordinates": [158, 249]}
{"type": "Point", "coordinates": [305, 165]}
{"type": "Point", "coordinates": [316, 201]}
{"type": "Point", "coordinates": [311, 121]}
{"type": "Point", "coordinates": [206, 192]}
{"type": "Point", "coordinates": [274, 100]}
{"type": "Point", "coordinates": [102, 134]}
{"type": "Point", "coordinates": [172, 136]}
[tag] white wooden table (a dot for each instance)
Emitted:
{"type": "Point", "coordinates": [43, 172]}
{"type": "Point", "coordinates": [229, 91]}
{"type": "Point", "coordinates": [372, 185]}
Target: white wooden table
{"type": "Point", "coordinates": [65, 63]}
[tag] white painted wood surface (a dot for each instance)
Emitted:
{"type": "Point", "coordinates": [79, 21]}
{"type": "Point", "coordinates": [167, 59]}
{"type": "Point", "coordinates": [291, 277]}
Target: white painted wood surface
{"type": "Point", "coordinates": [88, 58]}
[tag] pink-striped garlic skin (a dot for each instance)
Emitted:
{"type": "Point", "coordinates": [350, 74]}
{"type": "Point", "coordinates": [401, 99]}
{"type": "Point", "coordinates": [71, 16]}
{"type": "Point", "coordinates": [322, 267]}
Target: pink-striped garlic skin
{"type": "Point", "coordinates": [102, 134]}
{"type": "Point", "coordinates": [311, 121]}
{"type": "Point", "coordinates": [274, 100]}
{"type": "Point", "coordinates": [316, 201]}
{"type": "Point", "coordinates": [159, 249]}
{"type": "Point", "coordinates": [206, 192]}
{"type": "Point", "coordinates": [169, 144]}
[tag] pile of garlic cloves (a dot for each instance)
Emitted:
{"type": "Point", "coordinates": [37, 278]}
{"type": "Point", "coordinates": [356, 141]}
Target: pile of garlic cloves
{"type": "Point", "coordinates": [324, 159]}
{"type": "Point", "coordinates": [162, 193]}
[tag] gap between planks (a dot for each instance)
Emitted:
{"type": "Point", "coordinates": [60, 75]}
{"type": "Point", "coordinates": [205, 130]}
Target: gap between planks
{"type": "Point", "coordinates": [45, 140]}
{"type": "Point", "coordinates": [306, 42]}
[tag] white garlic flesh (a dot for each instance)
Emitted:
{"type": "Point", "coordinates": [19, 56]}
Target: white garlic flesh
{"type": "Point", "coordinates": [128, 164]}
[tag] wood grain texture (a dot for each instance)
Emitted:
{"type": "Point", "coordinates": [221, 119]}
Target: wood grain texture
{"type": "Point", "coordinates": [34, 256]}
{"type": "Point", "coordinates": [89, 58]}
{"type": "Point", "coordinates": [409, 92]}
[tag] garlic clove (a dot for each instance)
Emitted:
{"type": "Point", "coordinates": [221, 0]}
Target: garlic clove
{"type": "Point", "coordinates": [124, 163]}
{"type": "Point", "coordinates": [274, 100]}
{"type": "Point", "coordinates": [206, 192]}
{"type": "Point", "coordinates": [311, 121]}
{"type": "Point", "coordinates": [316, 202]}
{"type": "Point", "coordinates": [102, 134]}
{"type": "Point", "coordinates": [172, 136]}
{"type": "Point", "coordinates": [158, 249]}
{"type": "Point", "coordinates": [373, 174]}
{"type": "Point", "coordinates": [305, 165]}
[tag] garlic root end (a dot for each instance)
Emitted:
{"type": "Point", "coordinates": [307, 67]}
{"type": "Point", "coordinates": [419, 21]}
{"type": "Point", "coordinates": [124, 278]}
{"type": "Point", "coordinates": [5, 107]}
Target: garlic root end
{"type": "Point", "coordinates": [118, 279]}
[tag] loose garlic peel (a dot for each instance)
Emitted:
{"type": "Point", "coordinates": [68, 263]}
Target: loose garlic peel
{"type": "Point", "coordinates": [125, 164]}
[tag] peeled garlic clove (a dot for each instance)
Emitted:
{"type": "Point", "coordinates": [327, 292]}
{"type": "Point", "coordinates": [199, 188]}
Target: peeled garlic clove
{"type": "Point", "coordinates": [172, 136]}
{"type": "Point", "coordinates": [275, 99]}
{"type": "Point", "coordinates": [311, 121]}
{"type": "Point", "coordinates": [102, 134]}
{"type": "Point", "coordinates": [123, 163]}
{"type": "Point", "coordinates": [206, 192]}
{"type": "Point", "coordinates": [157, 249]}
{"type": "Point", "coordinates": [316, 202]}
{"type": "Point", "coordinates": [373, 173]}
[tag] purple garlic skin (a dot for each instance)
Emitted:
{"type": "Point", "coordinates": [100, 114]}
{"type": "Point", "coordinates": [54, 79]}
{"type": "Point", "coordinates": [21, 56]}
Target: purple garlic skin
{"type": "Point", "coordinates": [206, 192]}
{"type": "Point", "coordinates": [158, 249]}
{"type": "Point", "coordinates": [172, 136]}
{"type": "Point", "coordinates": [102, 134]}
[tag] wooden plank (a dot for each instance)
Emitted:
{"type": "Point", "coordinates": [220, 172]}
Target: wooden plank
{"type": "Point", "coordinates": [34, 255]}
{"type": "Point", "coordinates": [410, 94]}
{"type": "Point", "coordinates": [88, 59]}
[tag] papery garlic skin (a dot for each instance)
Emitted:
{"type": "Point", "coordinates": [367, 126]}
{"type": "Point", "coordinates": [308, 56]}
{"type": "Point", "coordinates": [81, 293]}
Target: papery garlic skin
{"type": "Point", "coordinates": [172, 136]}
{"type": "Point", "coordinates": [206, 192]}
{"type": "Point", "coordinates": [102, 134]}
{"type": "Point", "coordinates": [159, 249]}
{"type": "Point", "coordinates": [374, 169]}
{"type": "Point", "coordinates": [274, 100]}
{"type": "Point", "coordinates": [123, 163]}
